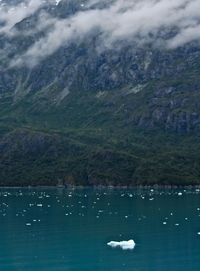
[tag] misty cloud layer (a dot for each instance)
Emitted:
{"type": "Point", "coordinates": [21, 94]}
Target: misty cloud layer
{"type": "Point", "coordinates": [10, 15]}
{"type": "Point", "coordinates": [167, 23]}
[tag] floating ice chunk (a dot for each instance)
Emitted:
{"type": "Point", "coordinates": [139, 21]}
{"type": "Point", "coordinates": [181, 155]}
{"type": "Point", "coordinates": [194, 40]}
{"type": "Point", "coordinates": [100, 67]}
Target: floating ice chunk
{"type": "Point", "coordinates": [57, 2]}
{"type": "Point", "coordinates": [125, 245]}
{"type": "Point", "coordinates": [198, 233]}
{"type": "Point", "coordinates": [180, 194]}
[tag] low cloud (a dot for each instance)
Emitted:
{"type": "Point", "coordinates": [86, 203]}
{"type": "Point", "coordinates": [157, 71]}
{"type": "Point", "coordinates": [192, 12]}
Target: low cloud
{"type": "Point", "coordinates": [170, 23]}
{"type": "Point", "coordinates": [10, 15]}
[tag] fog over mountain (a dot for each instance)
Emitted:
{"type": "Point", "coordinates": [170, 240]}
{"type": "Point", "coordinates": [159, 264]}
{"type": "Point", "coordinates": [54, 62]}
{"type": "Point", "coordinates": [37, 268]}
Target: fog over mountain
{"type": "Point", "coordinates": [163, 23]}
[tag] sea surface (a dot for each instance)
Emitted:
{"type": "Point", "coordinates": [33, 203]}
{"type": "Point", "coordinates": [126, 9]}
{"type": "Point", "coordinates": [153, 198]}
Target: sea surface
{"type": "Point", "coordinates": [60, 229]}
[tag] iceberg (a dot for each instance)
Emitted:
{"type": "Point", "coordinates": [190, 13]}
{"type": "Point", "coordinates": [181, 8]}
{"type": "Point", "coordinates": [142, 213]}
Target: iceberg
{"type": "Point", "coordinates": [125, 245]}
{"type": "Point", "coordinates": [57, 2]}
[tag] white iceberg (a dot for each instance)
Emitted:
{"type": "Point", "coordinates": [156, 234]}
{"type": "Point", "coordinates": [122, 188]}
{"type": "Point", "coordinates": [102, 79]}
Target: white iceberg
{"type": "Point", "coordinates": [125, 245]}
{"type": "Point", "coordinates": [57, 2]}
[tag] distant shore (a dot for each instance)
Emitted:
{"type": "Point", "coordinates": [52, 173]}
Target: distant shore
{"type": "Point", "coordinates": [143, 187]}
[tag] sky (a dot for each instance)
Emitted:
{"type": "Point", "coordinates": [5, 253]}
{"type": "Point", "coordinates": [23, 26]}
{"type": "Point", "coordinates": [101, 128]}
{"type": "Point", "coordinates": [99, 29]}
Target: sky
{"type": "Point", "coordinates": [132, 21]}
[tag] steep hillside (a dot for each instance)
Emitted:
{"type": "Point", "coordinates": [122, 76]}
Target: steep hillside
{"type": "Point", "coordinates": [87, 113]}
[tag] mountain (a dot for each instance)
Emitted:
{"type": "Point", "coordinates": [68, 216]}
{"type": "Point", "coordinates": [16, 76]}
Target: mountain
{"type": "Point", "coordinates": [89, 112]}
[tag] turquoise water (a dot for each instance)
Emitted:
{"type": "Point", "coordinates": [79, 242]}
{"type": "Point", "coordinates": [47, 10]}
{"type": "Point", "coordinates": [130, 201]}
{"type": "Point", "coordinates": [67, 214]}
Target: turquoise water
{"type": "Point", "coordinates": [56, 229]}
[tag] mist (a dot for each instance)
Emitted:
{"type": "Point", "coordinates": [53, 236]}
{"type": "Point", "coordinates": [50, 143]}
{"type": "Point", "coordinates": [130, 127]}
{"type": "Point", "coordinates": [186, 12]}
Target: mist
{"type": "Point", "coordinates": [165, 23]}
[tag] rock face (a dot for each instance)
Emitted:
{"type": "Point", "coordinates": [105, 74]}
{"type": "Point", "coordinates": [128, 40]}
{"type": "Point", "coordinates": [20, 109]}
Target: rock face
{"type": "Point", "coordinates": [168, 97]}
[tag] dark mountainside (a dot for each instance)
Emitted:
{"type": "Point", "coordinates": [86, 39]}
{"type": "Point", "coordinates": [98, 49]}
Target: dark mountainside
{"type": "Point", "coordinates": [127, 115]}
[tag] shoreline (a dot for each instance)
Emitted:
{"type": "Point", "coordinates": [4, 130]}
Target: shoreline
{"type": "Point", "coordinates": [99, 187]}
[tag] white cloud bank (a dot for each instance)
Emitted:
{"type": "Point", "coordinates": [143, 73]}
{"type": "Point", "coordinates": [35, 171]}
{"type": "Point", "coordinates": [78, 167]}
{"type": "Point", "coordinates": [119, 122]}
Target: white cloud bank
{"type": "Point", "coordinates": [125, 245]}
{"type": "Point", "coordinates": [10, 15]}
{"type": "Point", "coordinates": [138, 21]}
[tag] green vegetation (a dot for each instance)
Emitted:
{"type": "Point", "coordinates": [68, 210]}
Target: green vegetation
{"type": "Point", "coordinates": [92, 138]}
{"type": "Point", "coordinates": [118, 117]}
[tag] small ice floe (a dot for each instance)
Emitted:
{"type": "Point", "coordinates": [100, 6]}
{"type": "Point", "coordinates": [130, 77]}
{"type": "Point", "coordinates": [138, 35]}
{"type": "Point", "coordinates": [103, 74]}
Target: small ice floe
{"type": "Point", "coordinates": [57, 2]}
{"type": "Point", "coordinates": [180, 194]}
{"type": "Point", "coordinates": [28, 224]}
{"type": "Point", "coordinates": [198, 233]}
{"type": "Point", "coordinates": [125, 245]}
